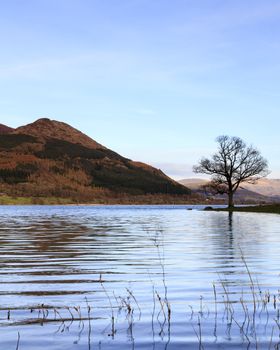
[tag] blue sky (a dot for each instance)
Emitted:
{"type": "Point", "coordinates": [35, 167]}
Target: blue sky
{"type": "Point", "coordinates": [155, 80]}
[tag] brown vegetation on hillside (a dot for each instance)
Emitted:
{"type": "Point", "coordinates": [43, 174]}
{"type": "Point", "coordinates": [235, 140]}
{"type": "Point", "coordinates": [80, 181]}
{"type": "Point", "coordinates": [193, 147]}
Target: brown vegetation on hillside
{"type": "Point", "coordinates": [52, 159]}
{"type": "Point", "coordinates": [47, 129]}
{"type": "Point", "coordinates": [5, 129]}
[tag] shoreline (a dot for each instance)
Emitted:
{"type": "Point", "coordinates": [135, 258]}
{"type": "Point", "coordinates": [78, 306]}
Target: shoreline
{"type": "Point", "coordinates": [141, 200]}
{"type": "Point", "coordinates": [149, 201]}
{"type": "Point", "coordinates": [261, 208]}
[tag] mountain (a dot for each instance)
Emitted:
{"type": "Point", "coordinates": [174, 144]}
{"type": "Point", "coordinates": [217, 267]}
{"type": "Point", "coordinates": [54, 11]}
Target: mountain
{"type": "Point", "coordinates": [266, 187]}
{"type": "Point", "coordinates": [4, 129]}
{"type": "Point", "coordinates": [51, 158]}
{"type": "Point", "coordinates": [245, 194]}
{"type": "Point", "coordinates": [45, 129]}
{"type": "Point", "coordinates": [193, 183]}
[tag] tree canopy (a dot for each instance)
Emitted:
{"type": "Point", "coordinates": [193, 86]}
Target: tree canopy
{"type": "Point", "coordinates": [233, 163]}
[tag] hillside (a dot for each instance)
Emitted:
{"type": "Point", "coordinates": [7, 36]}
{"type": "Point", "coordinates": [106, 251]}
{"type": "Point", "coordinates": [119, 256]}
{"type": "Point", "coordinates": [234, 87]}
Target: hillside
{"type": "Point", "coordinates": [266, 187]}
{"type": "Point", "coordinates": [5, 129]}
{"type": "Point", "coordinates": [193, 183]}
{"type": "Point", "coordinates": [247, 194]}
{"type": "Point", "coordinates": [48, 158]}
{"type": "Point", "coordinates": [45, 129]}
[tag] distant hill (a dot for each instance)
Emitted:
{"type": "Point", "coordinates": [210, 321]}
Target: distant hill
{"type": "Point", "coordinates": [266, 187]}
{"type": "Point", "coordinates": [193, 183]}
{"type": "Point", "coordinates": [51, 158]}
{"type": "Point", "coordinates": [262, 192]}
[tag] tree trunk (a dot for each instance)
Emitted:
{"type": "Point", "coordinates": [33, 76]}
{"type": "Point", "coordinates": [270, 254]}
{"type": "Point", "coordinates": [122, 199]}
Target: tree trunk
{"type": "Point", "coordinates": [230, 200]}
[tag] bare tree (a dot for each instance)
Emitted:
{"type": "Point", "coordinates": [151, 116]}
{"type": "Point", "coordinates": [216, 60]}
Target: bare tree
{"type": "Point", "coordinates": [233, 163]}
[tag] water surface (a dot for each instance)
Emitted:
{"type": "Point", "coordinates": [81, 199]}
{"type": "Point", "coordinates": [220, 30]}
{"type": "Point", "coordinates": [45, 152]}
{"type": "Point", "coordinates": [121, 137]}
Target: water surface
{"type": "Point", "coordinates": [66, 270]}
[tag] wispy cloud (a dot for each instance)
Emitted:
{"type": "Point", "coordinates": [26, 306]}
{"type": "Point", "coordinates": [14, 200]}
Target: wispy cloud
{"type": "Point", "coordinates": [175, 170]}
{"type": "Point", "coordinates": [146, 112]}
{"type": "Point", "coordinates": [79, 61]}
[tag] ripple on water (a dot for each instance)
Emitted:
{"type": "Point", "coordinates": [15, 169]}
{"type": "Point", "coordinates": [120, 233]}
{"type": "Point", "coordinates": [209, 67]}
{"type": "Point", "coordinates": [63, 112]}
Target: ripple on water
{"type": "Point", "coordinates": [60, 266]}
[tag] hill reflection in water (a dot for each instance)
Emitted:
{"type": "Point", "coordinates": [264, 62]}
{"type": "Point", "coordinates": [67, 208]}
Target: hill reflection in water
{"type": "Point", "coordinates": [63, 265]}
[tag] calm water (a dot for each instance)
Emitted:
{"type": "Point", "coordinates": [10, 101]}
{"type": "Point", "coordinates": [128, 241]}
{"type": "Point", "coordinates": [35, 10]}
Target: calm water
{"type": "Point", "coordinates": [66, 271]}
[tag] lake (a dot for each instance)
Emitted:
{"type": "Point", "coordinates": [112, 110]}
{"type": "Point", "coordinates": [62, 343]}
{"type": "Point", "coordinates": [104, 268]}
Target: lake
{"type": "Point", "coordinates": [138, 277]}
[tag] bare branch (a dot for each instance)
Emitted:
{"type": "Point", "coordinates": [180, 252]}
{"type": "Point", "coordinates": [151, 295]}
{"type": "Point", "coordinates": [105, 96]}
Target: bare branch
{"type": "Point", "coordinates": [232, 164]}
